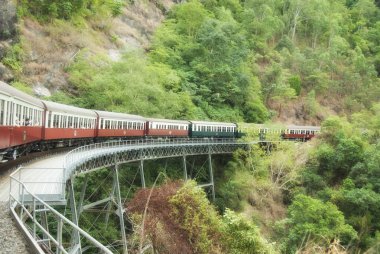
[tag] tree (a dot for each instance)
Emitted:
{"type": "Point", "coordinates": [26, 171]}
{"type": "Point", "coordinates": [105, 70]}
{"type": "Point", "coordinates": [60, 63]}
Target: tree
{"type": "Point", "coordinates": [242, 236]}
{"type": "Point", "coordinates": [313, 220]}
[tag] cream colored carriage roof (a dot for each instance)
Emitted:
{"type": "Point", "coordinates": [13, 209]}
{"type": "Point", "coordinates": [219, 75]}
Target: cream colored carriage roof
{"type": "Point", "coordinates": [119, 116]}
{"type": "Point", "coordinates": [214, 123]}
{"type": "Point", "coordinates": [67, 109]}
{"type": "Point", "coordinates": [10, 91]}
{"type": "Point", "coordinates": [296, 127]}
{"type": "Point", "coordinates": [167, 121]}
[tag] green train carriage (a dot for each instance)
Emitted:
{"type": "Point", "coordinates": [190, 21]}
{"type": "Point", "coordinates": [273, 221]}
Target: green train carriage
{"type": "Point", "coordinates": [201, 129]}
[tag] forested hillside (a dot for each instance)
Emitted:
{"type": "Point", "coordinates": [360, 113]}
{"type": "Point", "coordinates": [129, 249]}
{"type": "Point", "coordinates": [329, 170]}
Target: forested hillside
{"type": "Point", "coordinates": [312, 62]}
{"type": "Point", "coordinates": [292, 61]}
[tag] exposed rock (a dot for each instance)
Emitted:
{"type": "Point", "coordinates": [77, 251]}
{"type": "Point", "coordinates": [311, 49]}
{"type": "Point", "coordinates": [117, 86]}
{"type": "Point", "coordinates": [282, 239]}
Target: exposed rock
{"type": "Point", "coordinates": [40, 90]}
{"type": "Point", "coordinates": [115, 55]}
{"type": "Point", "coordinates": [5, 74]}
{"type": "Point", "coordinates": [3, 49]}
{"type": "Point", "coordinates": [7, 19]}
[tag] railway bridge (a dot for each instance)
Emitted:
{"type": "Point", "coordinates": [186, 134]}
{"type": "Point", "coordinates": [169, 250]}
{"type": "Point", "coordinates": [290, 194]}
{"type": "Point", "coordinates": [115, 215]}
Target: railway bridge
{"type": "Point", "coordinates": [34, 190]}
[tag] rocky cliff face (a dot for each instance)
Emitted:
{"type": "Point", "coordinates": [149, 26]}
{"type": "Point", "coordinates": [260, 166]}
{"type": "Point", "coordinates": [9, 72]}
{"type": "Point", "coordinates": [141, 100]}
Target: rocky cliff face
{"type": "Point", "coordinates": [7, 19]}
{"type": "Point", "coordinates": [8, 22]}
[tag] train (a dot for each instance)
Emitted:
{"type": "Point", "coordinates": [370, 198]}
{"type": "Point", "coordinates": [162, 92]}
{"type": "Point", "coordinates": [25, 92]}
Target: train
{"type": "Point", "coordinates": [29, 124]}
{"type": "Point", "coordinates": [289, 132]}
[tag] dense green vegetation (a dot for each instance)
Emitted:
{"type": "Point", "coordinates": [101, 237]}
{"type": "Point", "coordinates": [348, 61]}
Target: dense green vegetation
{"type": "Point", "coordinates": [233, 57]}
{"type": "Point", "coordinates": [344, 170]}
{"type": "Point", "coordinates": [330, 188]}
{"type": "Point", "coordinates": [48, 10]}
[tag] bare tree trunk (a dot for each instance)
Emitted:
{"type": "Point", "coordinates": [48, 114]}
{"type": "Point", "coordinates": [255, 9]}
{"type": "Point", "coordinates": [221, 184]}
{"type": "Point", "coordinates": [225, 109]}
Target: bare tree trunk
{"type": "Point", "coordinates": [295, 22]}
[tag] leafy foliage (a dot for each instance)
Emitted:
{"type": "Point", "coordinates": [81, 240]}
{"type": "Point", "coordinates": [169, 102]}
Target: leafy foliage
{"type": "Point", "coordinates": [311, 219]}
{"type": "Point", "coordinates": [55, 9]}
{"type": "Point", "coordinates": [242, 235]}
{"type": "Point", "coordinates": [191, 209]}
{"type": "Point", "coordinates": [344, 170]}
{"type": "Point", "coordinates": [131, 85]}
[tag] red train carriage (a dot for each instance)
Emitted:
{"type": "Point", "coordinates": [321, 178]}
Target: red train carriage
{"type": "Point", "coordinates": [21, 120]}
{"type": "Point", "coordinates": [300, 132]}
{"type": "Point", "coordinates": [167, 128]}
{"type": "Point", "coordinates": [68, 123]}
{"type": "Point", "coordinates": [120, 125]}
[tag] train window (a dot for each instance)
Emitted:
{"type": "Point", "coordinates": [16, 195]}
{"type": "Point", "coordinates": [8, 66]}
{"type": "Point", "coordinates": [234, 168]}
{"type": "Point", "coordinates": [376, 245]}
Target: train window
{"type": "Point", "coordinates": [49, 119]}
{"type": "Point", "coordinates": [2, 112]}
{"type": "Point", "coordinates": [55, 121]}
{"type": "Point", "coordinates": [10, 113]}
{"type": "Point", "coordinates": [65, 122]}
{"type": "Point", "coordinates": [75, 122]}
{"type": "Point", "coordinates": [35, 117]}
{"type": "Point", "coordinates": [70, 122]}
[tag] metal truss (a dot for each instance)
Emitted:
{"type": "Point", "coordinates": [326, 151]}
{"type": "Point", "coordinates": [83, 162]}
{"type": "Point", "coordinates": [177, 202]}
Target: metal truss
{"type": "Point", "coordinates": [93, 157]}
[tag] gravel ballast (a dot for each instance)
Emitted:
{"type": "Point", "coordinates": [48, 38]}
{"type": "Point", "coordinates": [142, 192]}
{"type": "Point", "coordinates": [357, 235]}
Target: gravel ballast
{"type": "Point", "coordinates": [12, 241]}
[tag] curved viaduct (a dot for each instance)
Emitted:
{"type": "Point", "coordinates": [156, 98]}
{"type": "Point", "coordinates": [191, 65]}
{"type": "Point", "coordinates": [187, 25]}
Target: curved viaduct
{"type": "Point", "coordinates": [34, 190]}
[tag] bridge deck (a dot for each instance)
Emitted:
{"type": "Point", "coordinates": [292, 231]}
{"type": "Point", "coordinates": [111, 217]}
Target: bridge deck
{"type": "Point", "coordinates": [41, 177]}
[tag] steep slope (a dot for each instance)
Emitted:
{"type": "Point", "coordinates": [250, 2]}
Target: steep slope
{"type": "Point", "coordinates": [48, 48]}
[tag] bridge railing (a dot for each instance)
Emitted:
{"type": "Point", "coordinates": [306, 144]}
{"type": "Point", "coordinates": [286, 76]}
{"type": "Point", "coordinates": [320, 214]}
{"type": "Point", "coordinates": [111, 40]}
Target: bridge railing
{"type": "Point", "coordinates": [27, 214]}
{"type": "Point", "coordinates": [79, 154]}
